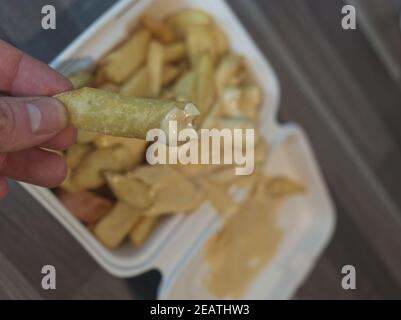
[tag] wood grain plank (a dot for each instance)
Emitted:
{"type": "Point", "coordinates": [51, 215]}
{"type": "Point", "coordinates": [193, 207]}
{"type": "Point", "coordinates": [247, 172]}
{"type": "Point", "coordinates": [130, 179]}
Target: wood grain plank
{"type": "Point", "coordinates": [13, 285]}
{"type": "Point", "coordinates": [30, 238]}
{"type": "Point", "coordinates": [380, 21]}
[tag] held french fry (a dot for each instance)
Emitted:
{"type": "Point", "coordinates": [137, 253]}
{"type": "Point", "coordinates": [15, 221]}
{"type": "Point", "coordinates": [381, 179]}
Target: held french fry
{"type": "Point", "coordinates": [112, 114]}
{"type": "Point", "coordinates": [114, 227]}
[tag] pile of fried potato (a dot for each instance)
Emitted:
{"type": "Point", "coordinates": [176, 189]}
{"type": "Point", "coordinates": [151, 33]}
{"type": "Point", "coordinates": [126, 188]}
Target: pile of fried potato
{"type": "Point", "coordinates": [186, 57]}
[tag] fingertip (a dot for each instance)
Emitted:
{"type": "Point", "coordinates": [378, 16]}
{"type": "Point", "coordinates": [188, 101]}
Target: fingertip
{"type": "Point", "coordinates": [63, 140]}
{"type": "Point", "coordinates": [47, 115]}
{"type": "Point", "coordinates": [36, 77]}
{"type": "Point", "coordinates": [59, 171]}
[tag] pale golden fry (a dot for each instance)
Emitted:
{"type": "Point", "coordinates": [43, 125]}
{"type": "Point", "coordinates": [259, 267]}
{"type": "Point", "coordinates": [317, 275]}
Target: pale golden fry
{"type": "Point", "coordinates": [184, 88]}
{"type": "Point", "coordinates": [68, 184]}
{"type": "Point", "coordinates": [81, 79]}
{"type": "Point", "coordinates": [129, 189]}
{"type": "Point", "coordinates": [112, 114]}
{"type": "Point", "coordinates": [280, 187]}
{"type": "Point", "coordinates": [261, 152]}
{"type": "Point", "coordinates": [242, 78]}
{"type": "Point", "coordinates": [137, 147]}
{"type": "Point", "coordinates": [76, 153]}
{"type": "Point", "coordinates": [221, 41]}
{"type": "Point", "coordinates": [184, 197]}
{"type": "Point", "coordinates": [90, 173]}
{"type": "Point", "coordinates": [155, 68]}
{"type": "Point", "coordinates": [200, 41]}
{"type": "Point", "coordinates": [115, 226]}
{"type": "Point", "coordinates": [180, 22]}
{"type": "Point", "coordinates": [204, 87]}
{"type": "Point", "coordinates": [142, 230]}
{"type": "Point", "coordinates": [73, 157]}
{"type": "Point", "coordinates": [251, 99]}
{"type": "Point", "coordinates": [174, 52]}
{"type": "Point", "coordinates": [159, 30]}
{"type": "Point", "coordinates": [85, 137]}
{"type": "Point", "coordinates": [138, 85]}
{"type": "Point", "coordinates": [126, 59]}
{"type": "Point", "coordinates": [228, 68]}
{"type": "Point", "coordinates": [231, 99]}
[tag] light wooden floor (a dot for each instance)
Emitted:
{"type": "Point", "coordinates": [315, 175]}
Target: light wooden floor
{"type": "Point", "coordinates": [343, 87]}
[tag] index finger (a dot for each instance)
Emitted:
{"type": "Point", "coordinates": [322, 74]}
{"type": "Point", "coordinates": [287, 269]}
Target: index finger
{"type": "Point", "coordinates": [22, 75]}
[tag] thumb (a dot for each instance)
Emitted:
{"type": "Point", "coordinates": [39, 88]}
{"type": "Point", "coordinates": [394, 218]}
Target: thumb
{"type": "Point", "coordinates": [28, 122]}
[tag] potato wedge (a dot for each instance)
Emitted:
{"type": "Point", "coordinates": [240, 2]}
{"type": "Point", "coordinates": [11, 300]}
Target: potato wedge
{"type": "Point", "coordinates": [180, 21]}
{"type": "Point", "coordinates": [230, 65]}
{"type": "Point", "coordinates": [184, 88]}
{"type": "Point", "coordinates": [184, 197]}
{"type": "Point", "coordinates": [138, 85]}
{"type": "Point", "coordinates": [126, 59]}
{"type": "Point", "coordinates": [129, 189]}
{"type": "Point", "coordinates": [73, 157]}
{"type": "Point", "coordinates": [251, 98]}
{"type": "Point", "coordinates": [155, 68]}
{"type": "Point", "coordinates": [159, 30]}
{"type": "Point", "coordinates": [76, 153]}
{"type": "Point", "coordinates": [115, 226]}
{"type": "Point", "coordinates": [90, 173]}
{"type": "Point", "coordinates": [142, 230]}
{"type": "Point", "coordinates": [204, 87]}
{"type": "Point", "coordinates": [199, 40]}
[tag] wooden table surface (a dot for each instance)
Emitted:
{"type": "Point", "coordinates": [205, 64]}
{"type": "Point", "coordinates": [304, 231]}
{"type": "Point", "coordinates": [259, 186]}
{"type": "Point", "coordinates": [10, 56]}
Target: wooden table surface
{"type": "Point", "coordinates": [342, 86]}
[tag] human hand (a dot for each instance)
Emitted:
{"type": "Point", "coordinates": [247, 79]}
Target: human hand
{"type": "Point", "coordinates": [30, 120]}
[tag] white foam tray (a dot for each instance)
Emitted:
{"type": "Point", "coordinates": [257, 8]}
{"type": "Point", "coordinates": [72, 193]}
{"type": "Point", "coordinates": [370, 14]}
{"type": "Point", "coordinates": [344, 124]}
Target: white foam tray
{"type": "Point", "coordinates": [175, 247]}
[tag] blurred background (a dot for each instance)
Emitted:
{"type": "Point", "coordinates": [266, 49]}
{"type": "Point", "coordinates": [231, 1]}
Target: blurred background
{"type": "Point", "coordinates": [341, 86]}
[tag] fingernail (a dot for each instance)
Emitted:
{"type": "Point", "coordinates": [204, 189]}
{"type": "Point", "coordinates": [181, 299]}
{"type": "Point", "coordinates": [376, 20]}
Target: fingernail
{"type": "Point", "coordinates": [46, 115]}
